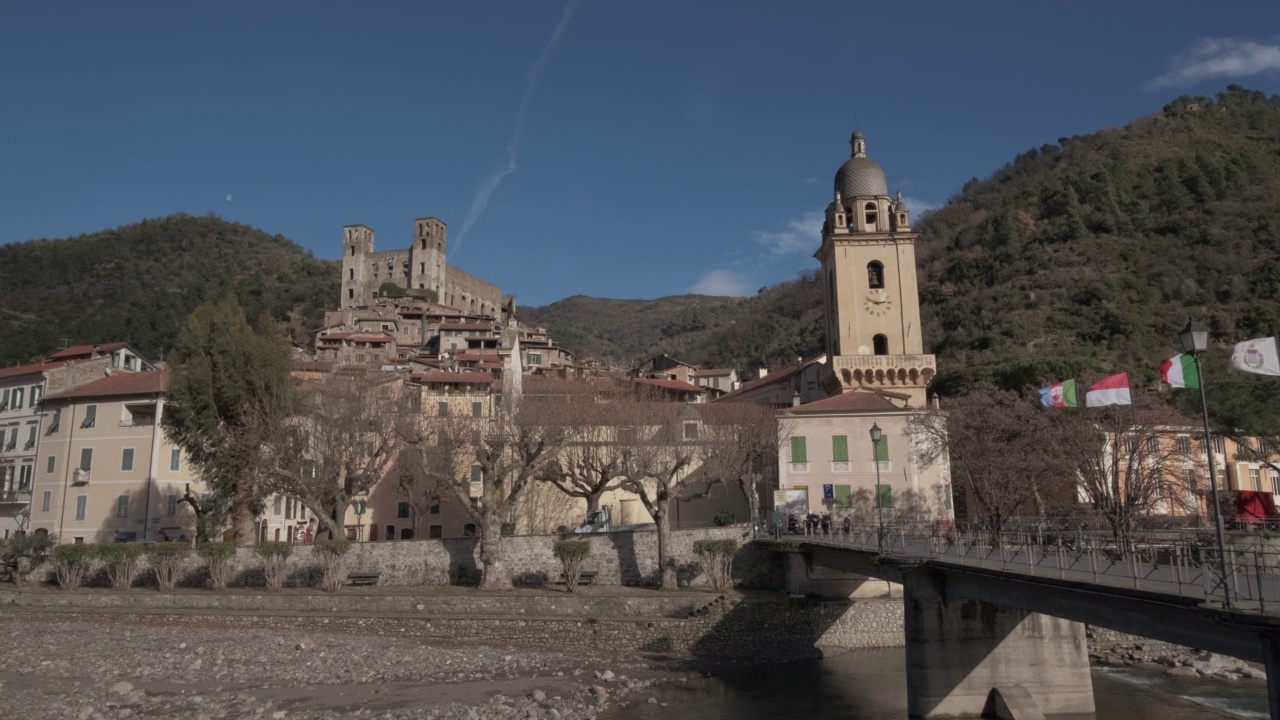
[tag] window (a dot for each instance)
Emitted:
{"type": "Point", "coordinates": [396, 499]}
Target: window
{"type": "Point", "coordinates": [1184, 445]}
{"type": "Point", "coordinates": [435, 532]}
{"type": "Point", "coordinates": [1219, 446]}
{"type": "Point", "coordinates": [881, 344]}
{"type": "Point", "coordinates": [875, 275]}
{"type": "Point", "coordinates": [844, 496]}
{"type": "Point", "coordinates": [82, 504]}
{"type": "Point", "coordinates": [691, 431]}
{"type": "Point", "coordinates": [86, 458]}
{"type": "Point", "coordinates": [1275, 482]}
{"type": "Point", "coordinates": [48, 464]}
{"type": "Point", "coordinates": [46, 500]}
{"type": "Point", "coordinates": [442, 408]}
{"type": "Point", "coordinates": [175, 460]}
{"type": "Point", "coordinates": [799, 451]}
{"type": "Point", "coordinates": [476, 409]}
{"type": "Point", "coordinates": [25, 472]}
{"type": "Point", "coordinates": [391, 532]}
{"type": "Point", "coordinates": [1189, 479]}
{"type": "Point", "coordinates": [1255, 478]}
{"type": "Point", "coordinates": [882, 449]}
{"type": "Point", "coordinates": [126, 460]}
{"type": "Point", "coordinates": [1153, 444]}
{"type": "Point", "coordinates": [884, 496]}
{"type": "Point", "coordinates": [35, 395]}
{"type": "Point", "coordinates": [477, 474]}
{"type": "Point", "coordinates": [57, 420]}
{"type": "Point", "coordinates": [288, 509]}
{"type": "Point", "coordinates": [406, 533]}
{"type": "Point", "coordinates": [4, 399]}
{"type": "Point", "coordinates": [17, 399]}
{"type": "Point", "coordinates": [402, 509]}
{"type": "Point", "coordinates": [13, 440]}
{"type": "Point", "coordinates": [869, 211]}
{"type": "Point", "coordinates": [533, 359]}
{"type": "Point", "coordinates": [90, 416]}
{"type": "Point", "coordinates": [1131, 444]}
{"type": "Point", "coordinates": [435, 506]}
{"type": "Point", "coordinates": [31, 438]}
{"type": "Point", "coordinates": [947, 501]}
{"type": "Point", "coordinates": [277, 506]}
{"type": "Point", "coordinates": [122, 506]}
{"type": "Point", "coordinates": [171, 506]}
{"type": "Point", "coordinates": [469, 530]}
{"type": "Point", "coordinates": [840, 453]}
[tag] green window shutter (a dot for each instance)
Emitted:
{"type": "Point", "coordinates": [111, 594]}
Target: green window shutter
{"type": "Point", "coordinates": [844, 496]}
{"type": "Point", "coordinates": [882, 449]}
{"type": "Point", "coordinates": [946, 497]}
{"type": "Point", "coordinates": [840, 448]}
{"type": "Point", "coordinates": [884, 496]}
{"type": "Point", "coordinates": [799, 453]}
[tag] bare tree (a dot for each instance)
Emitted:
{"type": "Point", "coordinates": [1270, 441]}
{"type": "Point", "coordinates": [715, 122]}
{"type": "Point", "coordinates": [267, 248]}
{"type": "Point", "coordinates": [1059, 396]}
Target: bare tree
{"type": "Point", "coordinates": [342, 438]}
{"type": "Point", "coordinates": [1006, 453]}
{"type": "Point", "coordinates": [486, 464]}
{"type": "Point", "coordinates": [1132, 462]}
{"type": "Point", "coordinates": [680, 452]}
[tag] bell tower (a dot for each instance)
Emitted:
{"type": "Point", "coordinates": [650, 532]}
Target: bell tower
{"type": "Point", "coordinates": [871, 297]}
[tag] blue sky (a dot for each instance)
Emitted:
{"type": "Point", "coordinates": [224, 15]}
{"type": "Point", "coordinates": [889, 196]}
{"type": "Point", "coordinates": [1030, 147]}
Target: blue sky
{"type": "Point", "coordinates": [597, 147]}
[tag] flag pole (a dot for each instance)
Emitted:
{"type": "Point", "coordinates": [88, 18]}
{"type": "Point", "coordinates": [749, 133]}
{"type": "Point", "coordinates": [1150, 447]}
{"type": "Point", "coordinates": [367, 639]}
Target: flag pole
{"type": "Point", "coordinates": [1195, 339]}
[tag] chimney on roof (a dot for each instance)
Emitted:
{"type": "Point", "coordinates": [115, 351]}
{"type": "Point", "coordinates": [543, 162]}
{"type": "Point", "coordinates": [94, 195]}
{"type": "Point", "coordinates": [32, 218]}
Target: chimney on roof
{"type": "Point", "coordinates": [795, 399]}
{"type": "Point", "coordinates": [762, 372]}
{"type": "Point", "coordinates": [97, 351]}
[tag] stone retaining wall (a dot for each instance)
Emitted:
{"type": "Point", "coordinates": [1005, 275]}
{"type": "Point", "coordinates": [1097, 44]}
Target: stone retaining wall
{"type": "Point", "coordinates": [621, 558]}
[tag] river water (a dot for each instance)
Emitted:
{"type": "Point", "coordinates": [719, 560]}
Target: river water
{"type": "Point", "coordinates": [871, 685]}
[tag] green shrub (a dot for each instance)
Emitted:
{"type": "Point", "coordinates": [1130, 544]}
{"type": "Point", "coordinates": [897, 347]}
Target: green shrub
{"type": "Point", "coordinates": [166, 560]}
{"type": "Point", "coordinates": [121, 560]}
{"type": "Point", "coordinates": [20, 554]}
{"type": "Point", "coordinates": [724, 518]}
{"type": "Point", "coordinates": [217, 557]}
{"type": "Point", "coordinates": [571, 554]}
{"type": "Point", "coordinates": [330, 554]}
{"type": "Point", "coordinates": [275, 560]}
{"type": "Point", "coordinates": [71, 563]}
{"type": "Point", "coordinates": [717, 560]}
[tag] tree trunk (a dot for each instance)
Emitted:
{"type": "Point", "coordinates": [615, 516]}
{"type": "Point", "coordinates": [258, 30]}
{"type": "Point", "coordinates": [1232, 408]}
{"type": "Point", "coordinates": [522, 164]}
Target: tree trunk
{"type": "Point", "coordinates": [242, 517]}
{"type": "Point", "coordinates": [593, 503]}
{"type": "Point", "coordinates": [666, 563]}
{"type": "Point", "coordinates": [331, 524]}
{"type": "Point", "coordinates": [494, 573]}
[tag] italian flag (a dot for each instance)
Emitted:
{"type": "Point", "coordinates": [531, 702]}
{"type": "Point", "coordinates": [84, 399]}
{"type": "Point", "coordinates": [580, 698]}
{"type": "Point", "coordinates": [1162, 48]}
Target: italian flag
{"type": "Point", "coordinates": [1061, 395]}
{"type": "Point", "coordinates": [1109, 391]}
{"type": "Point", "coordinates": [1180, 372]}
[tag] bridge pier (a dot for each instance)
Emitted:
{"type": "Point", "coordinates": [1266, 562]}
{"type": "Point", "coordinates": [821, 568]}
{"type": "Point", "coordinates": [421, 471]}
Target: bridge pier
{"type": "Point", "coordinates": [1271, 653]}
{"type": "Point", "coordinates": [958, 650]}
{"type": "Point", "coordinates": [805, 578]}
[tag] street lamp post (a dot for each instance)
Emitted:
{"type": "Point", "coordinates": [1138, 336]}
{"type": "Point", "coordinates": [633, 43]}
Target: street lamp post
{"type": "Point", "coordinates": [1195, 340]}
{"type": "Point", "coordinates": [875, 445]}
{"type": "Point", "coordinates": [359, 506]}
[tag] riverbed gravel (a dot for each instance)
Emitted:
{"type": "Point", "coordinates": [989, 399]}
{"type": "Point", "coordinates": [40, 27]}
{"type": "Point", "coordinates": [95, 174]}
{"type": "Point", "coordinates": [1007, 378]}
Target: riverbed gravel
{"type": "Point", "coordinates": [110, 668]}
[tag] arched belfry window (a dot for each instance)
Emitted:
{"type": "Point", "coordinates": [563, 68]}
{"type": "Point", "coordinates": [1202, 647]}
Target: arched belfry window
{"type": "Point", "coordinates": [881, 344]}
{"type": "Point", "coordinates": [875, 274]}
{"type": "Point", "coordinates": [870, 210]}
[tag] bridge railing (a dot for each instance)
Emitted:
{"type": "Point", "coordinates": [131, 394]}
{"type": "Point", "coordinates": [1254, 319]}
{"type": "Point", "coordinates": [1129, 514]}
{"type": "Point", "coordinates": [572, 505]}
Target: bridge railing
{"type": "Point", "coordinates": [1180, 561]}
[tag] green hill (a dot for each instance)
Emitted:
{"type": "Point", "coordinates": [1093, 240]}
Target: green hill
{"type": "Point", "coordinates": [1085, 255]}
{"type": "Point", "coordinates": [139, 282]}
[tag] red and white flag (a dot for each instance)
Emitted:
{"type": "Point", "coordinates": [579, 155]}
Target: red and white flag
{"type": "Point", "coordinates": [1109, 391]}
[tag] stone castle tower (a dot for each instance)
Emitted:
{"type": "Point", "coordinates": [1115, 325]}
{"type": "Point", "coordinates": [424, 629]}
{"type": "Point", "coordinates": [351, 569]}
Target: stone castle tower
{"type": "Point", "coordinates": [872, 302]}
{"type": "Point", "coordinates": [422, 266]}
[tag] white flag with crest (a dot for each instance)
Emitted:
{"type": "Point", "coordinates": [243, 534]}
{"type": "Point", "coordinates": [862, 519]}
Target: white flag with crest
{"type": "Point", "coordinates": [1257, 356]}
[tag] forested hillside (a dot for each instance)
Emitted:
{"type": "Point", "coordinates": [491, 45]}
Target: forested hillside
{"type": "Point", "coordinates": [139, 282]}
{"type": "Point", "coordinates": [1084, 255]}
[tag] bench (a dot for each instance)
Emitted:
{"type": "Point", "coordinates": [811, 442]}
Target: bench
{"type": "Point", "coordinates": [584, 578]}
{"type": "Point", "coordinates": [365, 578]}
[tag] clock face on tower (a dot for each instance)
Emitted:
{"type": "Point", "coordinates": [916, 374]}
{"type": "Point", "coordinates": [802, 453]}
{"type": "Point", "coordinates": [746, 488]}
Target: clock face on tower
{"type": "Point", "coordinates": [877, 303]}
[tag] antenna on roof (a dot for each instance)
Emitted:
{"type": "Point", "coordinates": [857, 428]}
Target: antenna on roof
{"type": "Point", "coordinates": [66, 343]}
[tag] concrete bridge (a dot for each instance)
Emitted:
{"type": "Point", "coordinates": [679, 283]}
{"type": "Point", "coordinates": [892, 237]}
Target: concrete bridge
{"type": "Point", "coordinates": [999, 627]}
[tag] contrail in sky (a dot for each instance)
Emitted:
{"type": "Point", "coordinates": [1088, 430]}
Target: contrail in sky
{"type": "Point", "coordinates": [488, 185]}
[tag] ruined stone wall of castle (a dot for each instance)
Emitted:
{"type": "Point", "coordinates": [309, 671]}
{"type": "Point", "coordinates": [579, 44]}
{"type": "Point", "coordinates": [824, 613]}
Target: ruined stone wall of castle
{"type": "Point", "coordinates": [470, 294]}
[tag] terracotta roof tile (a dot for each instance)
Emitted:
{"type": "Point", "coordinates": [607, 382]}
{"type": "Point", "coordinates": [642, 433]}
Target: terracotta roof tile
{"type": "Point", "coordinates": [30, 369]}
{"type": "Point", "coordinates": [852, 401]}
{"type": "Point", "coordinates": [712, 373]}
{"type": "Point", "coordinates": [76, 351]}
{"type": "Point", "coordinates": [672, 385]}
{"type": "Point", "coordinates": [454, 377]}
{"type": "Point", "coordinates": [119, 383]}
